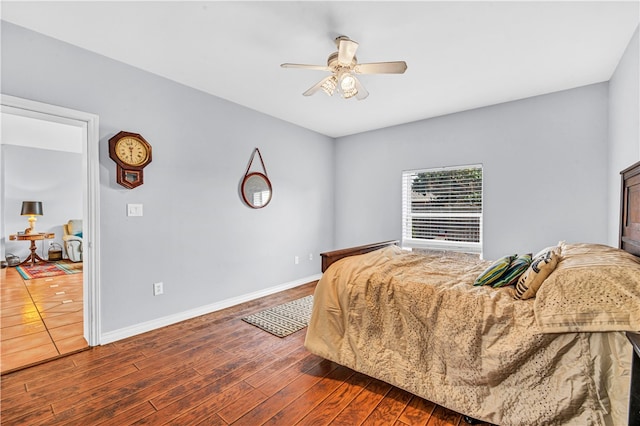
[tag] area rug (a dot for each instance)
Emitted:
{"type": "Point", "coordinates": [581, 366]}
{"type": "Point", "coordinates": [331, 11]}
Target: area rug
{"type": "Point", "coordinates": [43, 270]}
{"type": "Point", "coordinates": [285, 319]}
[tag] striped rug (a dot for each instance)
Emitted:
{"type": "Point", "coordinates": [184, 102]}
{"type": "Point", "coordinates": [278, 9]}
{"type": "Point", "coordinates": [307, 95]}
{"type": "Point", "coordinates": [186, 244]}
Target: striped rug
{"type": "Point", "coordinates": [285, 319]}
{"type": "Point", "coordinates": [48, 269]}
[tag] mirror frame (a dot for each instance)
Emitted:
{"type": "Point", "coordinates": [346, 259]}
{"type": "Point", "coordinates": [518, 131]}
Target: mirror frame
{"type": "Point", "coordinates": [243, 187]}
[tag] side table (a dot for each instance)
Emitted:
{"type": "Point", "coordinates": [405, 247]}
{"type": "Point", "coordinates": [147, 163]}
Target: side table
{"type": "Point", "coordinates": [33, 257]}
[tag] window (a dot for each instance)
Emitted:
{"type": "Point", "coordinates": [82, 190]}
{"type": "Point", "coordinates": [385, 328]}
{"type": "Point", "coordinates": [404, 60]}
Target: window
{"type": "Point", "coordinates": [442, 209]}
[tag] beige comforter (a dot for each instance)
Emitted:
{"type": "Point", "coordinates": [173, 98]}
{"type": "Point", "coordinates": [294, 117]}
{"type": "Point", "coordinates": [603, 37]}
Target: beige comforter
{"type": "Point", "coordinates": [474, 350]}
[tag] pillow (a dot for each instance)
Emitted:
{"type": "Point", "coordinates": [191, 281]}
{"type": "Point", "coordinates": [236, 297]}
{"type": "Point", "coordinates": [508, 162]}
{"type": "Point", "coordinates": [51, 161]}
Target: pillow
{"type": "Point", "coordinates": [516, 269]}
{"type": "Point", "coordinates": [594, 288]}
{"type": "Point", "coordinates": [495, 271]}
{"type": "Point", "coordinates": [560, 246]}
{"type": "Point", "coordinates": [540, 268]}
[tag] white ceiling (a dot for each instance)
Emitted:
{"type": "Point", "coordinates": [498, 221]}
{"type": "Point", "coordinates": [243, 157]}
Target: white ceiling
{"type": "Point", "coordinates": [39, 133]}
{"type": "Point", "coordinates": [460, 55]}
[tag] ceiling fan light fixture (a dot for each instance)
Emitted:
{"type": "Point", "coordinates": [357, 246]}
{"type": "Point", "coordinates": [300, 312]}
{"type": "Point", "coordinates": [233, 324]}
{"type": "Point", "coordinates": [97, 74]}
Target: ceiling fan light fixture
{"type": "Point", "coordinates": [347, 94]}
{"type": "Point", "coordinates": [348, 85]}
{"type": "Point", "coordinates": [347, 82]}
{"type": "Point", "coordinates": [343, 66]}
{"type": "Point", "coordinates": [329, 86]}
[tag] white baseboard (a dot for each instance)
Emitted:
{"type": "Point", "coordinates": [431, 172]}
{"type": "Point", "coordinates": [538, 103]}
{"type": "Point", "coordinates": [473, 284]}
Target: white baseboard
{"type": "Point", "coordinates": [133, 330]}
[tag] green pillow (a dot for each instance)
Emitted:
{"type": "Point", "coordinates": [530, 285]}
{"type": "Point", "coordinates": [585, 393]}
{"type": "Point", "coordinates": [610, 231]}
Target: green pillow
{"type": "Point", "coordinates": [517, 268]}
{"type": "Point", "coordinates": [495, 271]}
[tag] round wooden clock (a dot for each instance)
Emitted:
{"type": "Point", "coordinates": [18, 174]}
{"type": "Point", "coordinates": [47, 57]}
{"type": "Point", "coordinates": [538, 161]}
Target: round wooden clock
{"type": "Point", "coordinates": [131, 153]}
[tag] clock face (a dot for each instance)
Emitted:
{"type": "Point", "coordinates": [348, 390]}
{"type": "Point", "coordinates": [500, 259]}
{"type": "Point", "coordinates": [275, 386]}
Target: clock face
{"type": "Point", "coordinates": [132, 151]}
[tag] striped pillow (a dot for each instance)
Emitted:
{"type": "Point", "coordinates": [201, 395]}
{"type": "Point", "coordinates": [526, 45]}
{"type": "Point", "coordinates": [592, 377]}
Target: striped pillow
{"type": "Point", "coordinates": [517, 268]}
{"type": "Point", "coordinates": [495, 271]}
{"type": "Point", "coordinates": [529, 282]}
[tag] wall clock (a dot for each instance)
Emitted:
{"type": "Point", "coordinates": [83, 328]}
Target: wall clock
{"type": "Point", "coordinates": [131, 153]}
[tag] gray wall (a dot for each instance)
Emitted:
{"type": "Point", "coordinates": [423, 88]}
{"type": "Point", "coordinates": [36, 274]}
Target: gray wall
{"type": "Point", "coordinates": [196, 235]}
{"type": "Point", "coordinates": [546, 171]}
{"type": "Point", "coordinates": [544, 168]}
{"type": "Point", "coordinates": [624, 127]}
{"type": "Point", "coordinates": [53, 177]}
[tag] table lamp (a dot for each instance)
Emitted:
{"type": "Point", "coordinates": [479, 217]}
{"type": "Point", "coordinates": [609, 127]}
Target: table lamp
{"type": "Point", "coordinates": [31, 209]}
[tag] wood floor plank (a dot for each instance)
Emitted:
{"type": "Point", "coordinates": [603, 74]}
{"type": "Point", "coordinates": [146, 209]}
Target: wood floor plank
{"type": "Point", "coordinates": [41, 396]}
{"type": "Point", "coordinates": [331, 406]}
{"type": "Point", "coordinates": [277, 366]}
{"type": "Point", "coordinates": [24, 378]}
{"type": "Point", "coordinates": [26, 321]}
{"type": "Point", "coordinates": [22, 329]}
{"type": "Point", "coordinates": [42, 415]}
{"type": "Point", "coordinates": [363, 404]}
{"type": "Point", "coordinates": [443, 417]}
{"type": "Point", "coordinates": [417, 412]}
{"type": "Point", "coordinates": [36, 354]}
{"type": "Point", "coordinates": [109, 401]}
{"type": "Point", "coordinates": [129, 416]}
{"type": "Point", "coordinates": [48, 382]}
{"type": "Point", "coordinates": [212, 420]}
{"type": "Point", "coordinates": [211, 370]}
{"type": "Point", "coordinates": [389, 409]}
{"type": "Point", "coordinates": [242, 405]}
{"type": "Point", "coordinates": [281, 379]}
{"type": "Point", "coordinates": [191, 354]}
{"type": "Point", "coordinates": [197, 406]}
{"type": "Point", "coordinates": [228, 374]}
{"type": "Point", "coordinates": [306, 402]}
{"type": "Point", "coordinates": [286, 395]}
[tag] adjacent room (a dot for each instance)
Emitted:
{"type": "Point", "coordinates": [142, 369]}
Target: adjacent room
{"type": "Point", "coordinates": [195, 196]}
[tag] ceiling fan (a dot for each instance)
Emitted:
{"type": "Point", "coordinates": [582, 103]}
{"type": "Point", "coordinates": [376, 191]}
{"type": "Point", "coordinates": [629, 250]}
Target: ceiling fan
{"type": "Point", "coordinates": [343, 66]}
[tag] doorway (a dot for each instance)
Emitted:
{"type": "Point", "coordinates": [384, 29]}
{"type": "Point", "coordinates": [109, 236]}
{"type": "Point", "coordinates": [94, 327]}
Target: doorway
{"type": "Point", "coordinates": [85, 125]}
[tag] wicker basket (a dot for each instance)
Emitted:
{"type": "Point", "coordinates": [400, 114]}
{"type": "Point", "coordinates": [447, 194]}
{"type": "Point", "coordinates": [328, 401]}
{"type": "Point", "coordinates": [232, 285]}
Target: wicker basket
{"type": "Point", "coordinates": [55, 252]}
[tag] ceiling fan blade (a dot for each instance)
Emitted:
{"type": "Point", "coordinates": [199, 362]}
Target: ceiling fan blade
{"type": "Point", "coordinates": [397, 67]}
{"type": "Point", "coordinates": [346, 51]}
{"type": "Point", "coordinates": [362, 92]}
{"type": "Point", "coordinates": [316, 86]}
{"type": "Point", "coordinates": [308, 67]}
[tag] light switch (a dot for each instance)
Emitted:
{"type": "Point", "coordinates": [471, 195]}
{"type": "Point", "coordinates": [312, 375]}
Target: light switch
{"type": "Point", "coordinates": [134, 209]}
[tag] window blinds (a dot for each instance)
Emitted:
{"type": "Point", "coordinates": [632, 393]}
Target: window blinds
{"type": "Point", "coordinates": [442, 208]}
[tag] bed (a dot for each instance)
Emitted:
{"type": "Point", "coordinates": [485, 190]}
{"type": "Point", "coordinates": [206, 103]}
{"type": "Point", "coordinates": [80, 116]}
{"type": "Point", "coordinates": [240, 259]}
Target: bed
{"type": "Point", "coordinates": [417, 321]}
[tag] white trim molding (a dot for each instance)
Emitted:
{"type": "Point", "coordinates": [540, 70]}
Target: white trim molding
{"type": "Point", "coordinates": [133, 330]}
{"type": "Point", "coordinates": [91, 196]}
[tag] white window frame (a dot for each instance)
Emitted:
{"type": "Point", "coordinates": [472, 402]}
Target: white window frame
{"type": "Point", "coordinates": [409, 241]}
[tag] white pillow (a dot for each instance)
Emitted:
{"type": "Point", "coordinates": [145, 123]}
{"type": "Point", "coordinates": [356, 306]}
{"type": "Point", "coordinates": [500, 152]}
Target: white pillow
{"type": "Point", "coordinates": [542, 265]}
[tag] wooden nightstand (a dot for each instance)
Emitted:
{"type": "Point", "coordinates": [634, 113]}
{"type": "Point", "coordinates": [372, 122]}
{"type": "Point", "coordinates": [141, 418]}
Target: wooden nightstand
{"type": "Point", "coordinates": [634, 394]}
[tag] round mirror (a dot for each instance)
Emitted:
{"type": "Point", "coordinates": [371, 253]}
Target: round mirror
{"type": "Point", "coordinates": [256, 190]}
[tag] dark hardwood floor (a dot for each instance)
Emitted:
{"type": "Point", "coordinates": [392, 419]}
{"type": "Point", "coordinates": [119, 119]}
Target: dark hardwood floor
{"type": "Point", "coordinates": [211, 370]}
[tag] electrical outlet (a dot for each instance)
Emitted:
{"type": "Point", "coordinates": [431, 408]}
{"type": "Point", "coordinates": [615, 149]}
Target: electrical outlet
{"type": "Point", "coordinates": [310, 256]}
{"type": "Point", "coordinates": [158, 289]}
{"type": "Point", "coordinates": [296, 260]}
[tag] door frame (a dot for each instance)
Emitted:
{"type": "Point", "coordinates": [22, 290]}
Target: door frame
{"type": "Point", "coordinates": [91, 197]}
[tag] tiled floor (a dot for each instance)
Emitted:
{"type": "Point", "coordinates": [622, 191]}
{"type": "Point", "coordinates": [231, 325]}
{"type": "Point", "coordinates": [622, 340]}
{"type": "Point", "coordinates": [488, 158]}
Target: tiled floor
{"type": "Point", "coordinates": [40, 319]}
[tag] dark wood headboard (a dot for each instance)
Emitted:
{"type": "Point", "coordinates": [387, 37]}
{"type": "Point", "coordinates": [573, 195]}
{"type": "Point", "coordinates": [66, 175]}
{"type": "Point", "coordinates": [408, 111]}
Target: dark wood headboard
{"type": "Point", "coordinates": [630, 210]}
{"type": "Point", "coordinates": [332, 256]}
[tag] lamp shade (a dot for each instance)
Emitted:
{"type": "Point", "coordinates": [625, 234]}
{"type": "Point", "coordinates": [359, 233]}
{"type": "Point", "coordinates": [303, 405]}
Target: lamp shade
{"type": "Point", "coordinates": [31, 208]}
